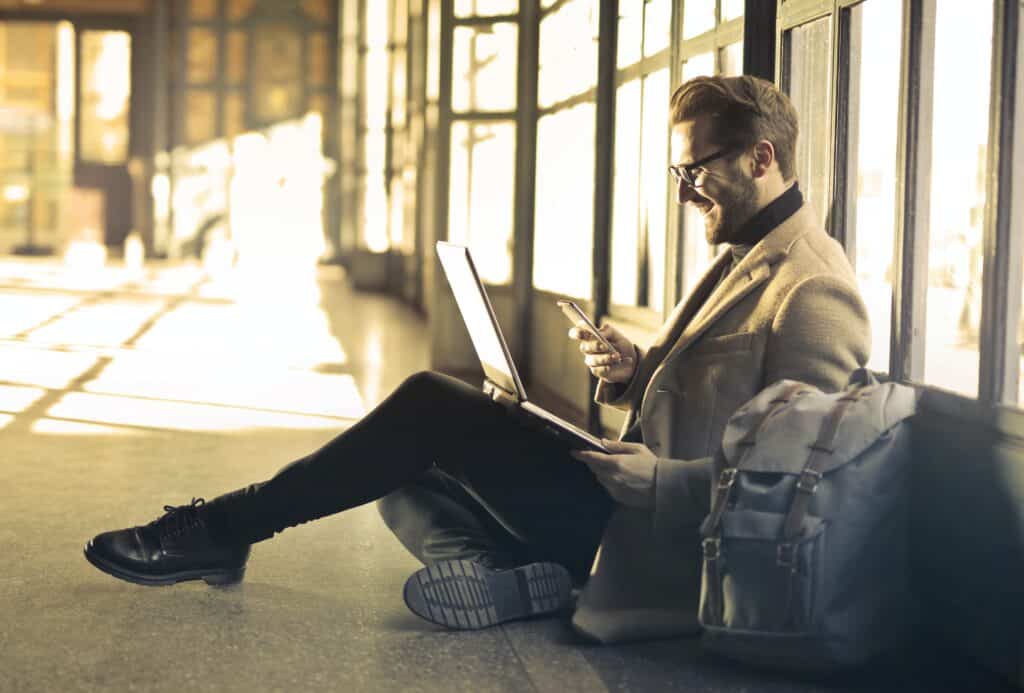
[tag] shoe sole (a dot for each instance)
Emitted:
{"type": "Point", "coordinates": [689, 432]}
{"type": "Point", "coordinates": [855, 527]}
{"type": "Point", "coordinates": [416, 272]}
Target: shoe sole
{"type": "Point", "coordinates": [210, 577]}
{"type": "Point", "coordinates": [465, 595]}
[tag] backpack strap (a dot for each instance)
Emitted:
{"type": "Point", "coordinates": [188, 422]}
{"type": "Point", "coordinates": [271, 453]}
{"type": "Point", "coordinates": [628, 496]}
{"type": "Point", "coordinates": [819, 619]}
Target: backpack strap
{"type": "Point", "coordinates": [712, 542]}
{"type": "Point", "coordinates": [806, 485]}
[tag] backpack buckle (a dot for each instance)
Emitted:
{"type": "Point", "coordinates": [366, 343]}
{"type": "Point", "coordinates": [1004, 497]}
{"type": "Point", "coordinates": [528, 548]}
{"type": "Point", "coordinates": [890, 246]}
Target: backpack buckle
{"type": "Point", "coordinates": [727, 479]}
{"type": "Point", "coordinates": [785, 556]}
{"type": "Point", "coordinates": [808, 481]}
{"type": "Point", "coordinates": [712, 548]}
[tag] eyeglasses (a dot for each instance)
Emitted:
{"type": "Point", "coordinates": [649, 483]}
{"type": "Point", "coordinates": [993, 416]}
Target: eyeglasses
{"type": "Point", "coordinates": [687, 172]}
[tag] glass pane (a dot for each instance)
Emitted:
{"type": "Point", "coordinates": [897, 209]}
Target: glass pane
{"type": "Point", "coordinates": [237, 57]}
{"type": "Point", "coordinates": [564, 223]}
{"type": "Point", "coordinates": [485, 8]}
{"type": "Point", "coordinates": [202, 56]}
{"type": "Point", "coordinates": [349, 85]}
{"type": "Point", "coordinates": [106, 95]}
{"type": "Point", "coordinates": [731, 59]}
{"type": "Point", "coordinates": [631, 32]}
{"type": "Point", "coordinates": [963, 51]}
{"type": "Point", "coordinates": [698, 17]}
{"type": "Point", "coordinates": [625, 252]}
{"type": "Point", "coordinates": [809, 76]}
{"type": "Point", "coordinates": [568, 52]}
{"type": "Point", "coordinates": [699, 65]}
{"type": "Point", "coordinates": [238, 9]}
{"type": "Point", "coordinates": [202, 9]}
{"type": "Point", "coordinates": [654, 182]}
{"type": "Point", "coordinates": [480, 202]}
{"type": "Point", "coordinates": [319, 55]}
{"type": "Point", "coordinates": [697, 254]}
{"type": "Point", "coordinates": [731, 9]}
{"type": "Point", "coordinates": [201, 118]}
{"type": "Point", "coordinates": [874, 106]}
{"type": "Point", "coordinates": [398, 87]}
{"type": "Point", "coordinates": [657, 26]}
{"type": "Point", "coordinates": [484, 67]}
{"type": "Point", "coordinates": [277, 71]}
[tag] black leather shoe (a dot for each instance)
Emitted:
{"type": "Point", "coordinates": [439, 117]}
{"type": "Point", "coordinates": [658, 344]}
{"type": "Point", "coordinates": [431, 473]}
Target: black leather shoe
{"type": "Point", "coordinates": [172, 548]}
{"type": "Point", "coordinates": [466, 595]}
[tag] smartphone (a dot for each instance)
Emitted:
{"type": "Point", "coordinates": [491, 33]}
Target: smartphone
{"type": "Point", "coordinates": [577, 316]}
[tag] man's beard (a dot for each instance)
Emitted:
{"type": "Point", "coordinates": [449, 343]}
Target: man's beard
{"type": "Point", "coordinates": [734, 208]}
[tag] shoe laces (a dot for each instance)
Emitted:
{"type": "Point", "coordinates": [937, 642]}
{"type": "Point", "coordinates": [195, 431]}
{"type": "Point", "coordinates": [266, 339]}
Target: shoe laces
{"type": "Point", "coordinates": [179, 519]}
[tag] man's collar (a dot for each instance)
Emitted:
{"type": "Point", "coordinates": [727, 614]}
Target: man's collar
{"type": "Point", "coordinates": [774, 213]}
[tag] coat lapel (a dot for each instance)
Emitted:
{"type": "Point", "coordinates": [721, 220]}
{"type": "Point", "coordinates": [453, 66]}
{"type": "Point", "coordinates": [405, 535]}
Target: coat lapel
{"type": "Point", "coordinates": [750, 273]}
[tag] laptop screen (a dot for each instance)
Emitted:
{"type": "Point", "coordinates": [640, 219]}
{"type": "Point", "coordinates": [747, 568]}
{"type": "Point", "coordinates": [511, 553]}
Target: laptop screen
{"type": "Point", "coordinates": [479, 317]}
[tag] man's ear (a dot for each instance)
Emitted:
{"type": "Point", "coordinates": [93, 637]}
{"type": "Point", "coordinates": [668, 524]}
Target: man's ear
{"type": "Point", "coordinates": [764, 156]}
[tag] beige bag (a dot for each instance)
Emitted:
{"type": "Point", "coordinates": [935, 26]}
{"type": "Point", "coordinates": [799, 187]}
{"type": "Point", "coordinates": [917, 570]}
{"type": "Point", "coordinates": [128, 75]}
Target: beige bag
{"type": "Point", "coordinates": [641, 586]}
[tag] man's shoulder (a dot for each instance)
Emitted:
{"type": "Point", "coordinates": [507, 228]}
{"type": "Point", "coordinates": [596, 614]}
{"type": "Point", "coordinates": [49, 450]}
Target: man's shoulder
{"type": "Point", "coordinates": [814, 252]}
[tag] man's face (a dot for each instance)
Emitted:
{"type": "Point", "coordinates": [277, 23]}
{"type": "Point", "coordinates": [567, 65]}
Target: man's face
{"type": "Point", "coordinates": [725, 194]}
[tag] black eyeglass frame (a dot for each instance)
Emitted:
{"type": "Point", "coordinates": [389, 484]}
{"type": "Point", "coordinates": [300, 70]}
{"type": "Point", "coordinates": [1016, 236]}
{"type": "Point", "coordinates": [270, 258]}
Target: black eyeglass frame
{"type": "Point", "coordinates": [685, 172]}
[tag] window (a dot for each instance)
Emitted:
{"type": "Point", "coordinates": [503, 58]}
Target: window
{"type": "Point", "coordinates": [872, 123]}
{"type": "Point", "coordinates": [963, 54]}
{"type": "Point", "coordinates": [640, 202]}
{"type": "Point", "coordinates": [807, 75]}
{"type": "Point", "coordinates": [564, 193]}
{"type": "Point", "coordinates": [482, 163]}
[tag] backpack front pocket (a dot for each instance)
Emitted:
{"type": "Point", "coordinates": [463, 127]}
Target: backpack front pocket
{"type": "Point", "coordinates": [753, 582]}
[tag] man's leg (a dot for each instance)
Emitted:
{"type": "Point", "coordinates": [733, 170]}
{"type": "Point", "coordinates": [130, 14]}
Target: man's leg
{"type": "Point", "coordinates": [429, 418]}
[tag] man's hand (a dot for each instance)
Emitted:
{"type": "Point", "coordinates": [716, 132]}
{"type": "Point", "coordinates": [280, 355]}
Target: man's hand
{"type": "Point", "coordinates": [627, 473]}
{"type": "Point", "coordinates": [612, 367]}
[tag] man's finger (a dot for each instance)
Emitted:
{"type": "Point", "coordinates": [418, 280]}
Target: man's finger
{"type": "Point", "coordinates": [622, 445]}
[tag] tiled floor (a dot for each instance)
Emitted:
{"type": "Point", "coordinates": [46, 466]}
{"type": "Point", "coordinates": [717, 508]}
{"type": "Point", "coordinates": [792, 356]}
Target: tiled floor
{"type": "Point", "coordinates": [122, 392]}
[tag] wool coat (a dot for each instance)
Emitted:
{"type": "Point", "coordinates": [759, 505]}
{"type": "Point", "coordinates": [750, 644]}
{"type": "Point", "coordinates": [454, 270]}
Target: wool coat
{"type": "Point", "coordinates": [789, 309]}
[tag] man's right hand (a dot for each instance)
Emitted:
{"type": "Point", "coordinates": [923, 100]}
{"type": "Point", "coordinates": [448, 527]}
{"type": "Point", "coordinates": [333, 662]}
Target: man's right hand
{"type": "Point", "coordinates": [610, 367]}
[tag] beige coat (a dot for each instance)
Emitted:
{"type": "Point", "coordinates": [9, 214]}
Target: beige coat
{"type": "Point", "coordinates": [789, 309]}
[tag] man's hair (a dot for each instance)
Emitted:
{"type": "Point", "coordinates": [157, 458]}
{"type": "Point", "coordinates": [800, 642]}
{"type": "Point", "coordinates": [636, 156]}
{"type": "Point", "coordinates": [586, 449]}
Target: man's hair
{"type": "Point", "coordinates": [743, 110]}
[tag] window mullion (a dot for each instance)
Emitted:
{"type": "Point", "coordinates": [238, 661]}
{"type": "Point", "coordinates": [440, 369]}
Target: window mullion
{"type": "Point", "coordinates": [1001, 279]}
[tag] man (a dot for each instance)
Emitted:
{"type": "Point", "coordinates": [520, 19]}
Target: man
{"type": "Point", "coordinates": [504, 518]}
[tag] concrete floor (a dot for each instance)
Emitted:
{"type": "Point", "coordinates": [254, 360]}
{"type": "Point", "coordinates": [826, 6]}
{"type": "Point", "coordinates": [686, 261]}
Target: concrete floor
{"type": "Point", "coordinates": [121, 392]}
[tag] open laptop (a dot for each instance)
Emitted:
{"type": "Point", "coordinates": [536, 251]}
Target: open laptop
{"type": "Point", "coordinates": [491, 348]}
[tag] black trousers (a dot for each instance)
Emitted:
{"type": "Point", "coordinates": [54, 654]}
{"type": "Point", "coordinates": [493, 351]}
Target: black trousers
{"type": "Point", "coordinates": [456, 474]}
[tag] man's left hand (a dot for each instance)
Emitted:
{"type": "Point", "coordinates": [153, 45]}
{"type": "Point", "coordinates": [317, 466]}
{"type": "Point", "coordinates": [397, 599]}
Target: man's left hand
{"type": "Point", "coordinates": [627, 473]}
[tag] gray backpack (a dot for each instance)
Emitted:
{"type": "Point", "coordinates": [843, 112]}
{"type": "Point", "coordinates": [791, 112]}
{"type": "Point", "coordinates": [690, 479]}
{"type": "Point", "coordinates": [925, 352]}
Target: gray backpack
{"type": "Point", "coordinates": [805, 548]}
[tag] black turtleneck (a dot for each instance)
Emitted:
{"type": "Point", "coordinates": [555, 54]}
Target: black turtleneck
{"type": "Point", "coordinates": [775, 212]}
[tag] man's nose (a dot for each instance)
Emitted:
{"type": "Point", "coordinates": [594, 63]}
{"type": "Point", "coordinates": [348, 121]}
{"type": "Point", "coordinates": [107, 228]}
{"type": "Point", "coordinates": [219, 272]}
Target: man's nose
{"type": "Point", "coordinates": [684, 192]}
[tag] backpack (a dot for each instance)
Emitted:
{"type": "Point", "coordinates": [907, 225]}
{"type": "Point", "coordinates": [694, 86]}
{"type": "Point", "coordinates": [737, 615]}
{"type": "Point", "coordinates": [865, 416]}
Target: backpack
{"type": "Point", "coordinates": [805, 549]}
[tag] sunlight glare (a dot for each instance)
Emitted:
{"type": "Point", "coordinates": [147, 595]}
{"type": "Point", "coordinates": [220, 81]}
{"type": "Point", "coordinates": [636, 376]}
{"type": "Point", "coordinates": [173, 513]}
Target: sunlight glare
{"type": "Point", "coordinates": [61, 427]}
{"type": "Point", "coordinates": [179, 416]}
{"type": "Point", "coordinates": [42, 368]}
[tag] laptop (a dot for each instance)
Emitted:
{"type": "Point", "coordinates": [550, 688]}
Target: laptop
{"type": "Point", "coordinates": [492, 350]}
